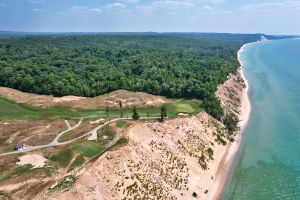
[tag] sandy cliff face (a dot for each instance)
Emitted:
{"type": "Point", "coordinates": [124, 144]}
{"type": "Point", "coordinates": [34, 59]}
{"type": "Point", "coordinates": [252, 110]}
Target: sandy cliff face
{"type": "Point", "coordinates": [168, 160]}
{"type": "Point", "coordinates": [231, 93]}
{"type": "Point", "coordinates": [178, 159]}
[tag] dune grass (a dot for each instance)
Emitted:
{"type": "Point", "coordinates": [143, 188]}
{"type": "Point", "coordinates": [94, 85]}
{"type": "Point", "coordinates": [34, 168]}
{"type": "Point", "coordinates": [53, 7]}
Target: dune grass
{"type": "Point", "coordinates": [121, 142]}
{"type": "Point", "coordinates": [79, 160]}
{"type": "Point", "coordinates": [16, 172]}
{"type": "Point", "coordinates": [65, 183]}
{"type": "Point", "coordinates": [121, 123]}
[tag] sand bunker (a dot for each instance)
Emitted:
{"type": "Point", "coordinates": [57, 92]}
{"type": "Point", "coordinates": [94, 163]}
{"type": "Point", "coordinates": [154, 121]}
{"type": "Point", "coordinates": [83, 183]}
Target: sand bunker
{"type": "Point", "coordinates": [35, 160]}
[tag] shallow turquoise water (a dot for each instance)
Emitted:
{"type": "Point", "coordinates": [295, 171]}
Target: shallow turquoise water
{"type": "Point", "coordinates": [268, 164]}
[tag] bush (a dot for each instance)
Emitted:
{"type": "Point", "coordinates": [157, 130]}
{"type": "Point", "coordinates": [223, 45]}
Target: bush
{"type": "Point", "coordinates": [213, 107]}
{"type": "Point", "coordinates": [135, 114]}
{"type": "Point", "coordinates": [231, 122]}
{"type": "Point", "coordinates": [195, 195]}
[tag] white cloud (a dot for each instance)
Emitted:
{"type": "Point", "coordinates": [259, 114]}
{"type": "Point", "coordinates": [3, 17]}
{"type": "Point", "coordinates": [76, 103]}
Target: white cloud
{"type": "Point", "coordinates": [273, 6]}
{"type": "Point", "coordinates": [98, 10]}
{"type": "Point", "coordinates": [116, 5]}
{"type": "Point", "coordinates": [85, 10]}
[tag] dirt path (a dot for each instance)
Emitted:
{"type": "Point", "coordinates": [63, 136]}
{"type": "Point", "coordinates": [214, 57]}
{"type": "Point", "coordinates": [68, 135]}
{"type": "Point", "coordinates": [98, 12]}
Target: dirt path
{"type": "Point", "coordinates": [68, 124]}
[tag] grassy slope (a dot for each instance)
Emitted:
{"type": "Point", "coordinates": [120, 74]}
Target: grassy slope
{"type": "Point", "coordinates": [11, 110]}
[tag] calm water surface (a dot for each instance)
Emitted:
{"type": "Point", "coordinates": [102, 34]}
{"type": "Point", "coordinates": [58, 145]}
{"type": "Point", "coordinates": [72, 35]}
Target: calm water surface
{"type": "Point", "coordinates": [268, 164]}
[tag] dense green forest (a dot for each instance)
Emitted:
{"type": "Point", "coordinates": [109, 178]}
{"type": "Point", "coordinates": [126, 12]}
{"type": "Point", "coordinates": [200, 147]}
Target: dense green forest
{"type": "Point", "coordinates": [173, 65]}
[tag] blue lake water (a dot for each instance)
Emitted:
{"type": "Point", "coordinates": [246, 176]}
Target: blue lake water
{"type": "Point", "coordinates": [268, 164]}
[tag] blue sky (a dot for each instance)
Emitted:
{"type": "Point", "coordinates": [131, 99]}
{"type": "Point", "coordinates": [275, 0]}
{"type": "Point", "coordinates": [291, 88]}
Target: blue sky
{"type": "Point", "coordinates": [243, 16]}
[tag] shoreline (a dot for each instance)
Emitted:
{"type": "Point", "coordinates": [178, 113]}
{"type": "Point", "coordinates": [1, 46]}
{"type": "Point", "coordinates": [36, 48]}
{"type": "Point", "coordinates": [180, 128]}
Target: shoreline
{"type": "Point", "coordinates": [233, 147]}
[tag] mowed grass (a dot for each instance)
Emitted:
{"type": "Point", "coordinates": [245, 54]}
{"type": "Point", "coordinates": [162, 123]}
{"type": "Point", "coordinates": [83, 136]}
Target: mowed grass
{"type": "Point", "coordinates": [190, 107]}
{"type": "Point", "coordinates": [184, 108]}
{"type": "Point", "coordinates": [89, 148]}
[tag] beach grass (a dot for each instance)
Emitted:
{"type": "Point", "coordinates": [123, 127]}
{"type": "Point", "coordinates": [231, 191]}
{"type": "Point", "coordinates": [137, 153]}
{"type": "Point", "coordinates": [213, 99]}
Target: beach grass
{"type": "Point", "coordinates": [79, 160]}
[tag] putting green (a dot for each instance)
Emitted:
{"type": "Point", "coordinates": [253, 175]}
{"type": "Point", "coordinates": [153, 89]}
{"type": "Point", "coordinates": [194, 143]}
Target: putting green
{"type": "Point", "coordinates": [184, 108]}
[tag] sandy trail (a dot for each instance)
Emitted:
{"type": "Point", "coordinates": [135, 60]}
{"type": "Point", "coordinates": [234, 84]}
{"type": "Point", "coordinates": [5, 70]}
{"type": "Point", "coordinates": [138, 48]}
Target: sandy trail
{"type": "Point", "coordinates": [67, 124]}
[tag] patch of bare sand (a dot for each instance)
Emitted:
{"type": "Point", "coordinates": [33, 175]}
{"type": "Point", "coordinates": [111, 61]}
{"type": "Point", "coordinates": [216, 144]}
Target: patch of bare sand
{"type": "Point", "coordinates": [35, 160]}
{"type": "Point", "coordinates": [111, 99]}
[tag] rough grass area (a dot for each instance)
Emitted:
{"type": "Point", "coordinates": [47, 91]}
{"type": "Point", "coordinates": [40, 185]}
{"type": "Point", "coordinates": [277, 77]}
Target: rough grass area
{"type": "Point", "coordinates": [79, 160]}
{"type": "Point", "coordinates": [107, 131]}
{"type": "Point", "coordinates": [51, 169]}
{"type": "Point", "coordinates": [12, 110]}
{"type": "Point", "coordinates": [89, 148]}
{"type": "Point", "coordinates": [67, 136]}
{"type": "Point", "coordinates": [66, 183]}
{"type": "Point", "coordinates": [121, 123]}
{"type": "Point", "coordinates": [63, 157]}
{"type": "Point", "coordinates": [121, 142]}
{"type": "Point", "coordinates": [16, 172]}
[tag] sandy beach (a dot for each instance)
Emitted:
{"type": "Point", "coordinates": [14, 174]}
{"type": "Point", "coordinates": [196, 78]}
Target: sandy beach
{"type": "Point", "coordinates": [230, 153]}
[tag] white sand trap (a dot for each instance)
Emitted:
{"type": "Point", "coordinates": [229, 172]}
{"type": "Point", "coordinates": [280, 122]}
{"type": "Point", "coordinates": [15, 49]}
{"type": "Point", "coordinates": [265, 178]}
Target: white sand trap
{"type": "Point", "coordinates": [34, 159]}
{"type": "Point", "coordinates": [67, 98]}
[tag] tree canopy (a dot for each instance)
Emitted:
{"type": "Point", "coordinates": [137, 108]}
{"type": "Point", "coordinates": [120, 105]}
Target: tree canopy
{"type": "Point", "coordinates": [172, 65]}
